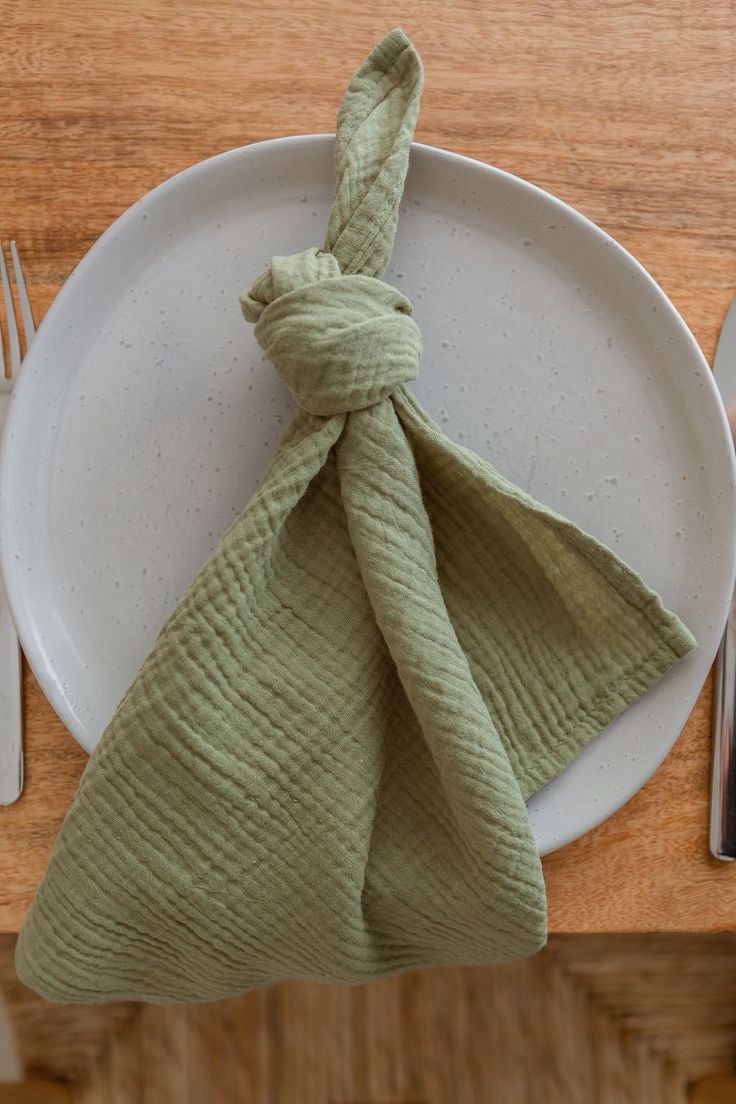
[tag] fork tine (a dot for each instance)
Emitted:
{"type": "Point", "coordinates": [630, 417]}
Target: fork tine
{"type": "Point", "coordinates": [13, 338]}
{"type": "Point", "coordinates": [29, 325]}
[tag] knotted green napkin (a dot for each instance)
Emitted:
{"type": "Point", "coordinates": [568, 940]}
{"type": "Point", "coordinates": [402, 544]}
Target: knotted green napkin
{"type": "Point", "coordinates": [321, 769]}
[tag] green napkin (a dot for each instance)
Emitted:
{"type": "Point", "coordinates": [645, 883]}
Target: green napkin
{"type": "Point", "coordinates": [321, 769]}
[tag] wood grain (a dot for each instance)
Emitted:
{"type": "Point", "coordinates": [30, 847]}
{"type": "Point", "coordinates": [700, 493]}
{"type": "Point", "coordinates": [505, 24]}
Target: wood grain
{"type": "Point", "coordinates": [36, 1092]}
{"type": "Point", "coordinates": [717, 1089]}
{"type": "Point", "coordinates": [625, 110]}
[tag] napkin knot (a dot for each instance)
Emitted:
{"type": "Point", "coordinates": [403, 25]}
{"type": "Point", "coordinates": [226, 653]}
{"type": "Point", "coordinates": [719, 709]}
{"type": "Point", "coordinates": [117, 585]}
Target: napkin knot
{"type": "Point", "coordinates": [339, 342]}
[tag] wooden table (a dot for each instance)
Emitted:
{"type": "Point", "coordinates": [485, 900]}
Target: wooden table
{"type": "Point", "coordinates": [625, 110]}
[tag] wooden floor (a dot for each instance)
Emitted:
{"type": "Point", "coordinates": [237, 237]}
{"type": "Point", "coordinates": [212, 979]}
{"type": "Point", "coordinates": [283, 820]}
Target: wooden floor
{"type": "Point", "coordinates": [592, 1020]}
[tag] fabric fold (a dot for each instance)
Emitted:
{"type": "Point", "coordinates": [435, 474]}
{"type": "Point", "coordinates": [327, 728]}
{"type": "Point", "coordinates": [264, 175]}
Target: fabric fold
{"type": "Point", "coordinates": [321, 769]}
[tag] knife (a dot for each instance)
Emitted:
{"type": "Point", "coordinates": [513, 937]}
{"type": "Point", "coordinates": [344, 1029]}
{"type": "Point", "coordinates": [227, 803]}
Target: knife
{"type": "Point", "coordinates": [723, 780]}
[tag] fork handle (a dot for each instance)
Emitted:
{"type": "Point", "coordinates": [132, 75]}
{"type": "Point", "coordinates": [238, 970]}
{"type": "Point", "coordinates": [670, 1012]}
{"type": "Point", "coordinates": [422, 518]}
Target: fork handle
{"type": "Point", "coordinates": [11, 734]}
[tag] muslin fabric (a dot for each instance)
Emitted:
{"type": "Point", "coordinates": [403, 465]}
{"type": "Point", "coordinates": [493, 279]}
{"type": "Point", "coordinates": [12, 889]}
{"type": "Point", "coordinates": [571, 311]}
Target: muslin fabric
{"type": "Point", "coordinates": [321, 769]}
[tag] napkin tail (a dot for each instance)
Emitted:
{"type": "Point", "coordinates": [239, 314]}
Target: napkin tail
{"type": "Point", "coordinates": [560, 634]}
{"type": "Point", "coordinates": [120, 913]}
{"type": "Point", "coordinates": [477, 894]}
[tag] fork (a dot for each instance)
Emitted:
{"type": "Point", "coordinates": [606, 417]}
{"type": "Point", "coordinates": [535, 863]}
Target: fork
{"type": "Point", "coordinates": [11, 715]}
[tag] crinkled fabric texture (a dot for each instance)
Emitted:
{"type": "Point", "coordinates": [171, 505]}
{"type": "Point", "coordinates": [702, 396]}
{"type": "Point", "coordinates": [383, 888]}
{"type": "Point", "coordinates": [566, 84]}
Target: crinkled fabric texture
{"type": "Point", "coordinates": [321, 769]}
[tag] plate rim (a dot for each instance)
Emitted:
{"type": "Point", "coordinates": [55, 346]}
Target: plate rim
{"type": "Point", "coordinates": [26, 627]}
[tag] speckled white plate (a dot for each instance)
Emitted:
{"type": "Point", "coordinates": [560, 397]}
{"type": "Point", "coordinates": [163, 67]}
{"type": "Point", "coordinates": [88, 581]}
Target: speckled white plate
{"type": "Point", "coordinates": [146, 414]}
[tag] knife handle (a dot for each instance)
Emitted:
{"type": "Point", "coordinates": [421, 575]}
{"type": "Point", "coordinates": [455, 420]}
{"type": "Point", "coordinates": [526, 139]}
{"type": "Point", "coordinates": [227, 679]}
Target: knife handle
{"type": "Point", "coordinates": [723, 784]}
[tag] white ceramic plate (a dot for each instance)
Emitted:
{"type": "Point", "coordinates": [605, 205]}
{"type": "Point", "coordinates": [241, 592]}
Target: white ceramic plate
{"type": "Point", "coordinates": [146, 414]}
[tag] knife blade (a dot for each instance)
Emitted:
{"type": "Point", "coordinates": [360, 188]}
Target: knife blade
{"type": "Point", "coordinates": [723, 778]}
